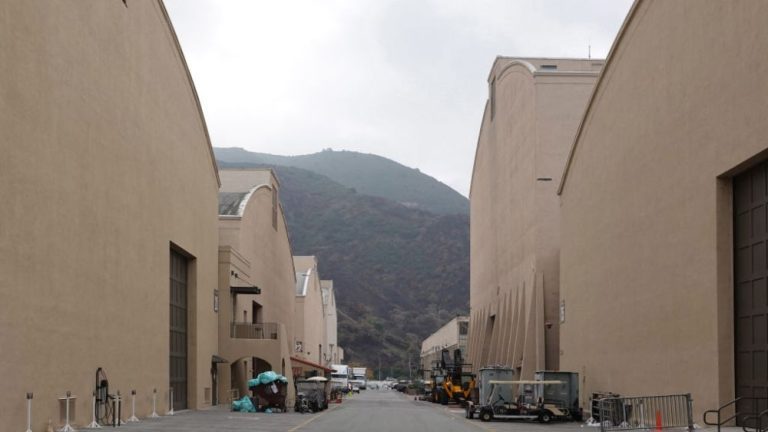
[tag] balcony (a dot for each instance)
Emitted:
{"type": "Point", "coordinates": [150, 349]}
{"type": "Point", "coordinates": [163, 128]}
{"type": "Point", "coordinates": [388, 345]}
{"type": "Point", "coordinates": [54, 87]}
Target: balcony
{"type": "Point", "coordinates": [254, 331]}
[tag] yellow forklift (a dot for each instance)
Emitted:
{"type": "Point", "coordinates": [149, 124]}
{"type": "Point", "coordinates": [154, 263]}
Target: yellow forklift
{"type": "Point", "coordinates": [451, 381]}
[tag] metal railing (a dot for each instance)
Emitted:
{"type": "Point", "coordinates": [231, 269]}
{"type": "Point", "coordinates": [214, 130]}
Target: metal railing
{"type": "Point", "coordinates": [254, 331]}
{"type": "Point", "coordinates": [757, 426]}
{"type": "Point", "coordinates": [734, 405]}
{"type": "Point", "coordinates": [646, 412]}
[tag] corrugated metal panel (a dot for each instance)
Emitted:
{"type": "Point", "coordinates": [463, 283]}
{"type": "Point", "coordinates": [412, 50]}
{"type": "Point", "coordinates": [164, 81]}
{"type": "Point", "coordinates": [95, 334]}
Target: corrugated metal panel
{"type": "Point", "coordinates": [750, 203]}
{"type": "Point", "coordinates": [178, 330]}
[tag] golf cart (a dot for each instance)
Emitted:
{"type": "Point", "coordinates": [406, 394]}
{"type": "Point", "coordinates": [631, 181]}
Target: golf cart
{"type": "Point", "coordinates": [529, 405]}
{"type": "Point", "coordinates": [312, 394]}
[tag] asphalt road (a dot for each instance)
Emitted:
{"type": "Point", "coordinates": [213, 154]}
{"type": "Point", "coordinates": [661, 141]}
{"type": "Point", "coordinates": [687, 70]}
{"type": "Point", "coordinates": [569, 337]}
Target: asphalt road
{"type": "Point", "coordinates": [370, 411]}
{"type": "Point", "coordinates": [388, 411]}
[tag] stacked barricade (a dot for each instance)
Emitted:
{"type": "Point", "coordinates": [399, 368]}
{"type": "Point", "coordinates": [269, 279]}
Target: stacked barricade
{"type": "Point", "coordinates": [646, 412]}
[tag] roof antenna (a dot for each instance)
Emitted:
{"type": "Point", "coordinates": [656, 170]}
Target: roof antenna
{"type": "Point", "coordinates": [589, 51]}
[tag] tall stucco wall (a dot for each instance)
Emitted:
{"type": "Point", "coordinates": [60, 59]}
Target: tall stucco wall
{"type": "Point", "coordinates": [105, 165]}
{"type": "Point", "coordinates": [269, 253]}
{"type": "Point", "coordinates": [260, 254]}
{"type": "Point", "coordinates": [647, 216]}
{"type": "Point", "coordinates": [331, 325]}
{"type": "Point", "coordinates": [310, 328]}
{"type": "Point", "coordinates": [527, 128]}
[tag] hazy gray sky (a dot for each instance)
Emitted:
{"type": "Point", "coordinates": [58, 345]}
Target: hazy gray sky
{"type": "Point", "coordinates": [404, 79]}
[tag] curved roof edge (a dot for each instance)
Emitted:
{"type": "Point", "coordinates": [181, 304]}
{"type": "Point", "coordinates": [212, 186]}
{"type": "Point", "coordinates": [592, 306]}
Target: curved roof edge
{"type": "Point", "coordinates": [477, 151]}
{"type": "Point", "coordinates": [245, 200]}
{"type": "Point", "coordinates": [598, 85]}
{"type": "Point", "coordinates": [247, 197]}
{"type": "Point", "coordinates": [193, 88]}
{"type": "Point", "coordinates": [516, 62]}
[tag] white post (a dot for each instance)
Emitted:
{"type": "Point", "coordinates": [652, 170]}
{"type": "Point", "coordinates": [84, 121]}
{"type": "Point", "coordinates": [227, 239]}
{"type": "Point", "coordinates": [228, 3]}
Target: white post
{"type": "Point", "coordinates": [170, 402]}
{"type": "Point", "coordinates": [67, 427]}
{"type": "Point", "coordinates": [94, 424]}
{"type": "Point", "coordinates": [154, 404]}
{"type": "Point", "coordinates": [29, 412]}
{"type": "Point", "coordinates": [133, 418]}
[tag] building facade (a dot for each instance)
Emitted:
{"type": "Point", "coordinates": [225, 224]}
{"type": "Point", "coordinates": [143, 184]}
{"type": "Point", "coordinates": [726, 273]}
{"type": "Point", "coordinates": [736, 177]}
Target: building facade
{"type": "Point", "coordinates": [108, 225]}
{"type": "Point", "coordinates": [664, 209]}
{"type": "Point", "coordinates": [451, 336]}
{"type": "Point", "coordinates": [530, 119]}
{"type": "Point", "coordinates": [332, 353]}
{"type": "Point", "coordinates": [309, 318]}
{"type": "Point", "coordinates": [256, 280]}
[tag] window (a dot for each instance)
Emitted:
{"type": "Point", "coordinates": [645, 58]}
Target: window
{"type": "Point", "coordinates": [463, 327]}
{"type": "Point", "coordinates": [492, 97]}
{"type": "Point", "coordinates": [548, 67]}
{"type": "Point", "coordinates": [274, 207]}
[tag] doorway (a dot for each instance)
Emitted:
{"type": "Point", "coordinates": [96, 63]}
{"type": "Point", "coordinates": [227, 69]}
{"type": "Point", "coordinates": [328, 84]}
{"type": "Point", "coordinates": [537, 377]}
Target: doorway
{"type": "Point", "coordinates": [750, 210]}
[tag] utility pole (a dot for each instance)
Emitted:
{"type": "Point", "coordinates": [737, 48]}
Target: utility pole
{"type": "Point", "coordinates": [410, 377]}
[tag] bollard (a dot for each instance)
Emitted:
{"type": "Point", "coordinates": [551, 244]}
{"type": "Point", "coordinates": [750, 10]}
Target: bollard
{"type": "Point", "coordinates": [120, 421]}
{"type": "Point", "coordinates": [133, 418]}
{"type": "Point", "coordinates": [117, 410]}
{"type": "Point", "coordinates": [170, 402]}
{"type": "Point", "coordinates": [67, 427]}
{"type": "Point", "coordinates": [154, 404]}
{"type": "Point", "coordinates": [29, 412]}
{"type": "Point", "coordinates": [94, 424]}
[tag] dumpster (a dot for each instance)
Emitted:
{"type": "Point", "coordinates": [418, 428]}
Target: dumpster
{"type": "Point", "coordinates": [270, 389]}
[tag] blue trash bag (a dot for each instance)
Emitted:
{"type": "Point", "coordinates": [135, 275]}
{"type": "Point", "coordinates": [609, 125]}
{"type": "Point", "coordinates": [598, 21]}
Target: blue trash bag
{"type": "Point", "coordinates": [235, 405]}
{"type": "Point", "coordinates": [267, 377]}
{"type": "Point", "coordinates": [246, 405]}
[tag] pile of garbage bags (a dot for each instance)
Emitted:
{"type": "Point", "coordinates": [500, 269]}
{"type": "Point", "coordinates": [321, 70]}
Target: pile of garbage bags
{"type": "Point", "coordinates": [243, 405]}
{"type": "Point", "coordinates": [267, 377]}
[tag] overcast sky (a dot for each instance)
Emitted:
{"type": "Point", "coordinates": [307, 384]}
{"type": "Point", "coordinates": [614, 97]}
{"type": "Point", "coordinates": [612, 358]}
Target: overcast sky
{"type": "Point", "coordinates": [404, 79]}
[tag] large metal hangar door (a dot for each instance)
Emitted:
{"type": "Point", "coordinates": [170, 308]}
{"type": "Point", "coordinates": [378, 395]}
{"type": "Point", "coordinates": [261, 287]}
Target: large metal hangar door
{"type": "Point", "coordinates": [178, 336]}
{"type": "Point", "coordinates": [750, 199]}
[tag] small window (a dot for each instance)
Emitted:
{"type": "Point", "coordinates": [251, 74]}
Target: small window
{"type": "Point", "coordinates": [463, 327]}
{"type": "Point", "coordinates": [549, 67]}
{"type": "Point", "coordinates": [274, 207]}
{"type": "Point", "coordinates": [492, 92]}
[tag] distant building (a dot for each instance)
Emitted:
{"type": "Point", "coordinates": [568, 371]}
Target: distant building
{"type": "Point", "coordinates": [664, 204]}
{"type": "Point", "coordinates": [533, 110]}
{"type": "Point", "coordinates": [309, 319]}
{"type": "Point", "coordinates": [255, 330]}
{"type": "Point", "coordinates": [451, 336]}
{"type": "Point", "coordinates": [108, 222]}
{"type": "Point", "coordinates": [332, 353]}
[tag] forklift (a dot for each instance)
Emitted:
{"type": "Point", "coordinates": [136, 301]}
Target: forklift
{"type": "Point", "coordinates": [451, 382]}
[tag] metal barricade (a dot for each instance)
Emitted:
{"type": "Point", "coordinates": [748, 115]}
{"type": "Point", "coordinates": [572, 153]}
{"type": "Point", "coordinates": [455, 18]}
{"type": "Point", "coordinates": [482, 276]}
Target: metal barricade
{"type": "Point", "coordinates": [646, 412]}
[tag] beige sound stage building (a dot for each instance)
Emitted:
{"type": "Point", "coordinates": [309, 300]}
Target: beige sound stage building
{"type": "Point", "coordinates": [309, 318]}
{"type": "Point", "coordinates": [108, 222]}
{"type": "Point", "coordinates": [332, 353]}
{"type": "Point", "coordinates": [112, 219]}
{"type": "Point", "coordinates": [256, 280]}
{"type": "Point", "coordinates": [664, 206]}
{"type": "Point", "coordinates": [451, 336]}
{"type": "Point", "coordinates": [530, 119]}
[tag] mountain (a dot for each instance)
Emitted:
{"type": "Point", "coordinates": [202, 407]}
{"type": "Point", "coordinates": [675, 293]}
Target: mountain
{"type": "Point", "coordinates": [368, 174]}
{"type": "Point", "coordinates": [399, 273]}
